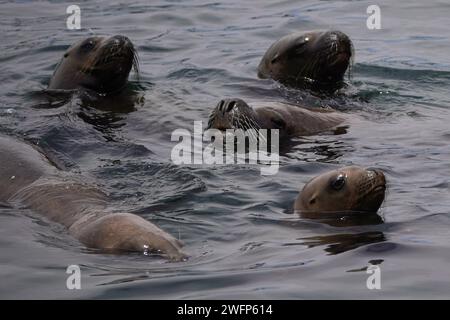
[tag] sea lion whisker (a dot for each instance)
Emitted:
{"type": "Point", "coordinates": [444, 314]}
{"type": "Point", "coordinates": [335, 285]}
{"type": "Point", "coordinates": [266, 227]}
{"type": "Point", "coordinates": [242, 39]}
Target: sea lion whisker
{"type": "Point", "coordinates": [249, 127]}
{"type": "Point", "coordinates": [299, 74]}
{"type": "Point", "coordinates": [250, 130]}
{"type": "Point", "coordinates": [246, 120]}
{"type": "Point", "coordinates": [253, 127]}
{"type": "Point", "coordinates": [241, 122]}
{"type": "Point", "coordinates": [306, 70]}
{"type": "Point", "coordinates": [263, 138]}
{"type": "Point", "coordinates": [254, 124]}
{"type": "Point", "coordinates": [352, 61]}
{"type": "Point", "coordinates": [212, 116]}
{"type": "Point", "coordinates": [135, 63]}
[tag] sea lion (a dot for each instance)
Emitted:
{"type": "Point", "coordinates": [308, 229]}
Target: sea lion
{"type": "Point", "coordinates": [349, 190]}
{"type": "Point", "coordinates": [312, 59]}
{"type": "Point", "coordinates": [28, 178]}
{"type": "Point", "coordinates": [291, 120]}
{"type": "Point", "coordinates": [101, 64]}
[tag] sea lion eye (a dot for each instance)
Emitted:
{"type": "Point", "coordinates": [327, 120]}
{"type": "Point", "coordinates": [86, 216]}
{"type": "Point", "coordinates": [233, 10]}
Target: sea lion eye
{"type": "Point", "coordinates": [231, 105]}
{"type": "Point", "coordinates": [298, 48]}
{"type": "Point", "coordinates": [312, 201]}
{"type": "Point", "coordinates": [338, 183]}
{"type": "Point", "coordinates": [279, 123]}
{"type": "Point", "coordinates": [88, 45]}
{"type": "Point", "coordinates": [275, 59]}
{"type": "Point", "coordinates": [301, 43]}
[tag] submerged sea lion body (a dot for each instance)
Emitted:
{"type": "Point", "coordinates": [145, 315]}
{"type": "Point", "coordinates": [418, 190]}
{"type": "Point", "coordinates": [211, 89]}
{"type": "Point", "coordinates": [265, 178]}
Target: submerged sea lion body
{"type": "Point", "coordinates": [27, 178]}
{"type": "Point", "coordinates": [349, 190]}
{"type": "Point", "coordinates": [289, 119]}
{"type": "Point", "coordinates": [101, 64]}
{"type": "Point", "coordinates": [314, 59]}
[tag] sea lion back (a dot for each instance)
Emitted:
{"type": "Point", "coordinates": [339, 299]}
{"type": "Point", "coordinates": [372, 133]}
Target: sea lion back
{"type": "Point", "coordinates": [20, 165]}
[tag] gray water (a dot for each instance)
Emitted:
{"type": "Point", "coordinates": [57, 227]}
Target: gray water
{"type": "Point", "coordinates": [237, 225]}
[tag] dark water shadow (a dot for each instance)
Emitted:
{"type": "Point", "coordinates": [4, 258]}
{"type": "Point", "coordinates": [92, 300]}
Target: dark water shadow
{"type": "Point", "coordinates": [105, 113]}
{"type": "Point", "coordinates": [354, 232]}
{"type": "Point", "coordinates": [339, 243]}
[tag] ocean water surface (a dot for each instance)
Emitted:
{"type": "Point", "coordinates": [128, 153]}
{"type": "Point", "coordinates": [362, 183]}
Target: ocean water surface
{"type": "Point", "coordinates": [237, 226]}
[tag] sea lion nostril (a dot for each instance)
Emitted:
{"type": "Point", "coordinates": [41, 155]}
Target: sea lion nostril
{"type": "Point", "coordinates": [120, 42]}
{"type": "Point", "coordinates": [231, 105]}
{"type": "Point", "coordinates": [379, 174]}
{"type": "Point", "coordinates": [221, 104]}
{"type": "Point", "coordinates": [372, 173]}
{"type": "Point", "coordinates": [373, 170]}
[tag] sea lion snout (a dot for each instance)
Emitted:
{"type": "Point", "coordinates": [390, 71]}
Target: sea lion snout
{"type": "Point", "coordinates": [220, 118]}
{"type": "Point", "coordinates": [338, 49]}
{"type": "Point", "coordinates": [371, 191]}
{"type": "Point", "coordinates": [231, 113]}
{"type": "Point", "coordinates": [340, 42]}
{"type": "Point", "coordinates": [121, 40]}
{"type": "Point", "coordinates": [227, 105]}
{"type": "Point", "coordinates": [119, 46]}
{"type": "Point", "coordinates": [116, 52]}
{"type": "Point", "coordinates": [377, 178]}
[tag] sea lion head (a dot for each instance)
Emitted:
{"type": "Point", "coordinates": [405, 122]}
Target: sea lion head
{"type": "Point", "coordinates": [347, 190]}
{"type": "Point", "coordinates": [101, 64]}
{"type": "Point", "coordinates": [321, 57]}
{"type": "Point", "coordinates": [233, 114]}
